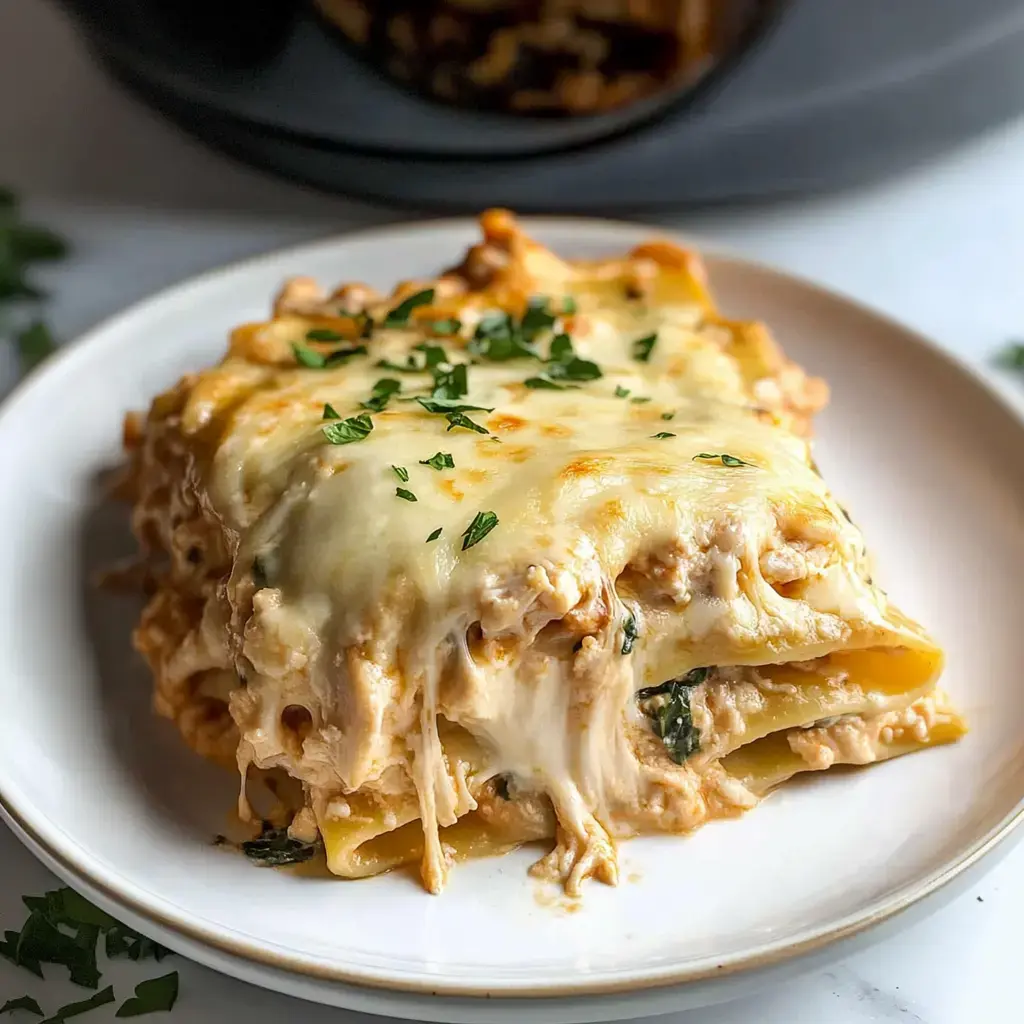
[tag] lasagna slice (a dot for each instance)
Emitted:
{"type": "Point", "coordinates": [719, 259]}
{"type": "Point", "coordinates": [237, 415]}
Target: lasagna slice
{"type": "Point", "coordinates": [535, 550]}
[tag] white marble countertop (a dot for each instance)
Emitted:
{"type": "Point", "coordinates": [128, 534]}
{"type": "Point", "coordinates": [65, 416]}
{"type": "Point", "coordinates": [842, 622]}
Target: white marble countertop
{"type": "Point", "coordinates": [941, 248]}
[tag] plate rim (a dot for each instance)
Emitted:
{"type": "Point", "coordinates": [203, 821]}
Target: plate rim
{"type": "Point", "coordinates": [766, 955]}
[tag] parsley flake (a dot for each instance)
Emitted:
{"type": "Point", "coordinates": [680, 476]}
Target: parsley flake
{"type": "Point", "coordinates": [26, 1003]}
{"type": "Point", "coordinates": [439, 461]}
{"type": "Point", "coordinates": [642, 347]}
{"type": "Point", "coordinates": [569, 305]}
{"type": "Point", "coordinates": [324, 334]}
{"type": "Point", "coordinates": [330, 413]}
{"type": "Point", "coordinates": [727, 460]}
{"type": "Point", "coordinates": [158, 995]}
{"type": "Point", "coordinates": [355, 428]}
{"type": "Point", "coordinates": [450, 405]}
{"type": "Point", "coordinates": [630, 633]}
{"type": "Point", "coordinates": [406, 494]}
{"type": "Point", "coordinates": [662, 435]}
{"type": "Point", "coordinates": [402, 473]}
{"type": "Point", "coordinates": [482, 524]}
{"type": "Point", "coordinates": [498, 337]}
{"type": "Point", "coordinates": [458, 419]}
{"type": "Point", "coordinates": [381, 394]}
{"type": "Point", "coordinates": [621, 392]}
{"type": "Point", "coordinates": [448, 325]}
{"type": "Point", "coordinates": [83, 1006]}
{"type": "Point", "coordinates": [399, 316]}
{"type": "Point", "coordinates": [543, 382]}
{"type": "Point", "coordinates": [434, 535]}
{"type": "Point", "coordinates": [315, 360]}
{"type": "Point", "coordinates": [537, 317]}
{"type": "Point", "coordinates": [452, 382]}
{"type": "Point", "coordinates": [640, 399]}
{"type": "Point", "coordinates": [668, 415]}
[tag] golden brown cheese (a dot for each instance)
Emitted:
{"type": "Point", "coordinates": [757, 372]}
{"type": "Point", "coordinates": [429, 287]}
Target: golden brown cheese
{"type": "Point", "coordinates": [440, 626]}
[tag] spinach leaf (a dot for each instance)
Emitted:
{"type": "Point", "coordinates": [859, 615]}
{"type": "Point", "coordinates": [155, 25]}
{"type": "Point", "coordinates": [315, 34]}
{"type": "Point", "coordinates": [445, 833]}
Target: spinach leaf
{"type": "Point", "coordinates": [668, 707]}
{"type": "Point", "coordinates": [275, 848]}
{"type": "Point", "coordinates": [158, 995]}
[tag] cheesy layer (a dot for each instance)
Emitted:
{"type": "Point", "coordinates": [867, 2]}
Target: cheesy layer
{"type": "Point", "coordinates": [536, 549]}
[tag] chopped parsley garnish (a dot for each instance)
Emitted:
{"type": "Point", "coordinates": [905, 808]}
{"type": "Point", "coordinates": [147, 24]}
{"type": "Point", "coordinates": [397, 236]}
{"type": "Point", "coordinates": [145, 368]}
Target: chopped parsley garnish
{"type": "Point", "coordinates": [63, 928]}
{"type": "Point", "coordinates": [727, 460]}
{"type": "Point", "coordinates": [668, 415]}
{"type": "Point", "coordinates": [561, 349]}
{"type": "Point", "coordinates": [402, 473]}
{"type": "Point", "coordinates": [643, 347]}
{"type": "Point", "coordinates": [621, 392]}
{"type": "Point", "coordinates": [458, 419]}
{"type": "Point", "coordinates": [158, 995]}
{"type": "Point", "coordinates": [275, 848]}
{"type": "Point", "coordinates": [564, 364]}
{"type": "Point", "coordinates": [661, 435]}
{"type": "Point", "coordinates": [569, 305]}
{"type": "Point", "coordinates": [451, 382]}
{"type": "Point", "coordinates": [399, 316]}
{"type": "Point", "coordinates": [432, 356]}
{"type": "Point", "coordinates": [26, 1003]}
{"type": "Point", "coordinates": [499, 338]}
{"type": "Point", "coordinates": [537, 317]}
{"type": "Point", "coordinates": [1012, 356]}
{"type": "Point", "coordinates": [315, 360]}
{"type": "Point", "coordinates": [439, 461]}
{"type": "Point", "coordinates": [640, 399]}
{"type": "Point", "coordinates": [82, 1006]}
{"type": "Point", "coordinates": [668, 707]}
{"type": "Point", "coordinates": [483, 523]}
{"type": "Point", "coordinates": [449, 405]}
{"type": "Point", "coordinates": [449, 325]}
{"type": "Point", "coordinates": [434, 535]}
{"type": "Point", "coordinates": [630, 633]}
{"type": "Point", "coordinates": [381, 394]}
{"type": "Point", "coordinates": [355, 428]}
{"type": "Point", "coordinates": [324, 334]}
{"type": "Point", "coordinates": [34, 343]}
{"type": "Point", "coordinates": [330, 413]}
{"type": "Point", "coordinates": [406, 494]}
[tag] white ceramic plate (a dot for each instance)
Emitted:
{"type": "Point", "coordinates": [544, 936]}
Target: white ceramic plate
{"type": "Point", "coordinates": [926, 456]}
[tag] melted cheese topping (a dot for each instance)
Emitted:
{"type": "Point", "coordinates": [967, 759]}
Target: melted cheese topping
{"type": "Point", "coordinates": [308, 624]}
